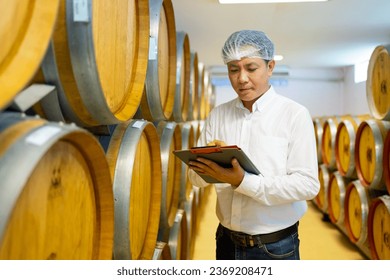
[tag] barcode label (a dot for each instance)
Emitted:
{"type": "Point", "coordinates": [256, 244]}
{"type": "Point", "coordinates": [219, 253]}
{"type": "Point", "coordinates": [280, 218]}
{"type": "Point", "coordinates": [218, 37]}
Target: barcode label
{"type": "Point", "coordinates": [170, 125]}
{"type": "Point", "coordinates": [80, 11]}
{"type": "Point", "coordinates": [153, 48]}
{"type": "Point", "coordinates": [137, 124]}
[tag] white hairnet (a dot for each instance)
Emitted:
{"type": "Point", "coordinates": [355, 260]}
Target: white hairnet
{"type": "Point", "coordinates": [247, 43]}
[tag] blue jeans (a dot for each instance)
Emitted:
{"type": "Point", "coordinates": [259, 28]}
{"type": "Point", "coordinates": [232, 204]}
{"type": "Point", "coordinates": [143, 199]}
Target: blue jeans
{"type": "Point", "coordinates": [284, 249]}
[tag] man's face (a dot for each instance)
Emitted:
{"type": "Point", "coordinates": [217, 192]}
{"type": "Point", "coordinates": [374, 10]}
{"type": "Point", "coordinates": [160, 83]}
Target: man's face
{"type": "Point", "coordinates": [249, 77]}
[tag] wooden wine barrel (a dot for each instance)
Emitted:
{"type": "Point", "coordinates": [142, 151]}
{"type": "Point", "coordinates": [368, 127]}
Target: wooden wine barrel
{"type": "Point", "coordinates": [183, 70]}
{"type": "Point", "coordinates": [25, 31]}
{"type": "Point", "coordinates": [170, 140]}
{"type": "Point", "coordinates": [345, 145]}
{"type": "Point", "coordinates": [335, 197]}
{"type": "Point", "coordinates": [379, 228]}
{"type": "Point", "coordinates": [369, 152]}
{"type": "Point", "coordinates": [160, 85]}
{"type": "Point", "coordinates": [356, 206]}
{"type": "Point", "coordinates": [56, 199]}
{"type": "Point", "coordinates": [321, 198]}
{"type": "Point", "coordinates": [134, 158]}
{"type": "Point", "coordinates": [198, 196]}
{"type": "Point", "coordinates": [194, 87]}
{"type": "Point", "coordinates": [99, 69]}
{"type": "Point", "coordinates": [378, 83]}
{"type": "Point", "coordinates": [206, 94]}
{"type": "Point", "coordinates": [191, 210]}
{"type": "Point", "coordinates": [188, 141]}
{"type": "Point", "coordinates": [386, 161]}
{"type": "Point", "coordinates": [178, 236]}
{"type": "Point", "coordinates": [328, 143]}
{"type": "Point", "coordinates": [197, 125]}
{"type": "Point", "coordinates": [318, 123]}
{"type": "Point", "coordinates": [162, 251]}
{"type": "Point", "coordinates": [210, 96]}
{"type": "Point", "coordinates": [202, 91]}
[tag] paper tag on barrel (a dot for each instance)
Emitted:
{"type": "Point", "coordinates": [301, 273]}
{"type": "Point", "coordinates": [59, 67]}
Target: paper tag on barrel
{"type": "Point", "coordinates": [80, 11]}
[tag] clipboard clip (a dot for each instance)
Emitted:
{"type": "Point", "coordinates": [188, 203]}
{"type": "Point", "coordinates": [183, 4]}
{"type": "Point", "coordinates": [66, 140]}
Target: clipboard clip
{"type": "Point", "coordinates": [206, 150]}
{"type": "Point", "coordinates": [212, 149]}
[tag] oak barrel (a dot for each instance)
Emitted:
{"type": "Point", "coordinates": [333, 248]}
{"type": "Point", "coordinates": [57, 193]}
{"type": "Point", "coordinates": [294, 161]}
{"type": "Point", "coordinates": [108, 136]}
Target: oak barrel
{"type": "Point", "coordinates": [194, 87]}
{"type": "Point", "coordinates": [378, 83]}
{"type": "Point", "coordinates": [134, 158]}
{"type": "Point", "coordinates": [98, 59]}
{"type": "Point", "coordinates": [206, 95]}
{"type": "Point", "coordinates": [183, 69]}
{"type": "Point", "coordinates": [25, 31]}
{"type": "Point", "coordinates": [56, 199]}
{"type": "Point", "coordinates": [160, 85]}
{"type": "Point", "coordinates": [162, 251]}
{"type": "Point", "coordinates": [178, 236]}
{"type": "Point", "coordinates": [386, 161]}
{"type": "Point", "coordinates": [356, 206]}
{"type": "Point", "coordinates": [335, 197]}
{"type": "Point", "coordinates": [345, 145]}
{"type": "Point", "coordinates": [328, 142]}
{"type": "Point", "coordinates": [321, 199]}
{"type": "Point", "coordinates": [379, 228]}
{"type": "Point", "coordinates": [197, 125]}
{"type": "Point", "coordinates": [202, 91]}
{"type": "Point", "coordinates": [369, 152]}
{"type": "Point", "coordinates": [188, 141]}
{"type": "Point", "coordinates": [170, 140]}
{"type": "Point", "coordinates": [318, 123]}
{"type": "Point", "coordinates": [191, 210]}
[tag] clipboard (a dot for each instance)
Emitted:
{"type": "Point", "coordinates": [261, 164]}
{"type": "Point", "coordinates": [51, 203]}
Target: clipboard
{"type": "Point", "coordinates": [221, 155]}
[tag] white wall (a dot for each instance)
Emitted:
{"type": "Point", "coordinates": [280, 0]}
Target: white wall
{"type": "Point", "coordinates": [355, 100]}
{"type": "Point", "coordinates": [325, 92]}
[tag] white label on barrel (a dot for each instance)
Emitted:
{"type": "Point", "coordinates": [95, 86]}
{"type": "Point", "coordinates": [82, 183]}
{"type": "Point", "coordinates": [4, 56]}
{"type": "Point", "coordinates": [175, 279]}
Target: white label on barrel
{"type": "Point", "coordinates": [42, 135]}
{"type": "Point", "coordinates": [80, 11]}
{"type": "Point", "coordinates": [152, 48]}
{"type": "Point", "coordinates": [156, 254]}
{"type": "Point", "coordinates": [178, 218]}
{"type": "Point", "coordinates": [138, 124]}
{"type": "Point", "coordinates": [170, 125]}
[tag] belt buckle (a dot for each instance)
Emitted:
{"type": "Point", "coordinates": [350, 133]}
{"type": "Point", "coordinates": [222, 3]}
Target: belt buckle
{"type": "Point", "coordinates": [251, 241]}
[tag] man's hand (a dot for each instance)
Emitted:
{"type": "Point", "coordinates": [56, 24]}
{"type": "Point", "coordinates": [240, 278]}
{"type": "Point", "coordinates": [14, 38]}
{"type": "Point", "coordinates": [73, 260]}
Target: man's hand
{"type": "Point", "coordinates": [233, 175]}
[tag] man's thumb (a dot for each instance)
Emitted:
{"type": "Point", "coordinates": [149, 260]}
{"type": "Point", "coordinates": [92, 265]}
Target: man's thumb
{"type": "Point", "coordinates": [235, 163]}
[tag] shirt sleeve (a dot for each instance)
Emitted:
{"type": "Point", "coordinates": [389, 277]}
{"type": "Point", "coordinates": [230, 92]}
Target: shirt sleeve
{"type": "Point", "coordinates": [301, 179]}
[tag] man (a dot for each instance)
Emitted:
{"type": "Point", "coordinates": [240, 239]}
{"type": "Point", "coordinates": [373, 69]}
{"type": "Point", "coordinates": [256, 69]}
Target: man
{"type": "Point", "coordinates": [259, 214]}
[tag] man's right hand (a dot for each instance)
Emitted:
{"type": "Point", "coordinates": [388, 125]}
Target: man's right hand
{"type": "Point", "coordinates": [216, 143]}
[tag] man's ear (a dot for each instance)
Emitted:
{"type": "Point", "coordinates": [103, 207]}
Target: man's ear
{"type": "Point", "coordinates": [271, 65]}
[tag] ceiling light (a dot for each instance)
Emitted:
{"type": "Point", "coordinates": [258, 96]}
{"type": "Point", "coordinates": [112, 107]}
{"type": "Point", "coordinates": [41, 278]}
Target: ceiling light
{"type": "Point", "coordinates": [265, 1]}
{"type": "Point", "coordinates": [278, 57]}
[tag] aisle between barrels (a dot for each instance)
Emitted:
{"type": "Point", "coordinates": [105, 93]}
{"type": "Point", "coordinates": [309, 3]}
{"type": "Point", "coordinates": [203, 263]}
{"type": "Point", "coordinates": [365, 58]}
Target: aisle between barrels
{"type": "Point", "coordinates": [320, 240]}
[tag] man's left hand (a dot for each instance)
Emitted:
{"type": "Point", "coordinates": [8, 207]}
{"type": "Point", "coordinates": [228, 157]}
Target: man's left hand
{"type": "Point", "coordinates": [233, 175]}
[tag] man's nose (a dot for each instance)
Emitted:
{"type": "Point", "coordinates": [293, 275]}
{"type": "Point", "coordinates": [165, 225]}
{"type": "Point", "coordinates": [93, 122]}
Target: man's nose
{"type": "Point", "coordinates": [243, 77]}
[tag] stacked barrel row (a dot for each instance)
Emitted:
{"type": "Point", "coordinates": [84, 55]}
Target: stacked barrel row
{"type": "Point", "coordinates": [87, 170]}
{"type": "Point", "coordinates": [354, 165]}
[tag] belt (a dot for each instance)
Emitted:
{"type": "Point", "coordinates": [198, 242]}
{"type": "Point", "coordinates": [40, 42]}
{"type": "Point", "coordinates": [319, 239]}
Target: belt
{"type": "Point", "coordinates": [247, 240]}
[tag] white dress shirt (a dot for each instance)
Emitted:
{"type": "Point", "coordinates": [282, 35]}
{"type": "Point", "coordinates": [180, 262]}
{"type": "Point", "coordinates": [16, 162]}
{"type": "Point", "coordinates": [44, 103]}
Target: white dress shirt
{"type": "Point", "coordinates": [278, 136]}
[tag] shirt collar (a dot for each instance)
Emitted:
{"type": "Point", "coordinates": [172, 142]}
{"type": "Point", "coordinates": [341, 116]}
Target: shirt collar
{"type": "Point", "coordinates": [260, 103]}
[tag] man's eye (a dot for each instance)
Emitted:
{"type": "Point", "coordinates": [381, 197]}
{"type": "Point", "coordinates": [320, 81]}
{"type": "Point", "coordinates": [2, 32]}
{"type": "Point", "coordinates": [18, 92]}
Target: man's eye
{"type": "Point", "coordinates": [252, 69]}
{"type": "Point", "coordinates": [233, 70]}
